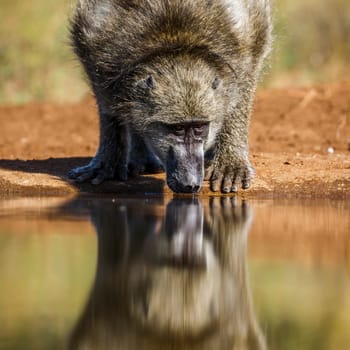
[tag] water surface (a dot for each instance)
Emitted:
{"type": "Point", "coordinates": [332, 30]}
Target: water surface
{"type": "Point", "coordinates": [154, 273]}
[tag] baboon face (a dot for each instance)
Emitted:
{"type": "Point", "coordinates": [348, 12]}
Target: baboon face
{"type": "Point", "coordinates": [186, 112]}
{"type": "Point", "coordinates": [180, 147]}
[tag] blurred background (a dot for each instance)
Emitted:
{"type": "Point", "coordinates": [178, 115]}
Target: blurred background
{"type": "Point", "coordinates": [312, 45]}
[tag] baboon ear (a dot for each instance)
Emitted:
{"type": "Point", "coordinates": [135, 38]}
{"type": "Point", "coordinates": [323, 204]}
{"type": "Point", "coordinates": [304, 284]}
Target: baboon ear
{"type": "Point", "coordinates": [216, 83]}
{"type": "Point", "coordinates": [147, 83]}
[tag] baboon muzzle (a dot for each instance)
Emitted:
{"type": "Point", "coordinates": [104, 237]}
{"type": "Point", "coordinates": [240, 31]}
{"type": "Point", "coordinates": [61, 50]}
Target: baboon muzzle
{"type": "Point", "coordinates": [185, 171]}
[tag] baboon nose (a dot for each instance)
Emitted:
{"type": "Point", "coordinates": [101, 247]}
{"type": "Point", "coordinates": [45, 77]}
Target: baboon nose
{"type": "Point", "coordinates": [192, 188]}
{"type": "Point", "coordinates": [187, 187]}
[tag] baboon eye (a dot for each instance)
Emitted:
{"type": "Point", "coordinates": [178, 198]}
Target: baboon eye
{"type": "Point", "coordinates": [147, 83]}
{"type": "Point", "coordinates": [198, 130]}
{"type": "Point", "coordinates": [178, 130]}
{"type": "Point", "coordinates": [216, 83]}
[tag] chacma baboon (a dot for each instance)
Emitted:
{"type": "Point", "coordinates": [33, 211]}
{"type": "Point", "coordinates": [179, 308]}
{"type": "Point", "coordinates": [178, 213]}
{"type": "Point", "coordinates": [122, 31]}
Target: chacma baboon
{"type": "Point", "coordinates": [174, 82]}
{"type": "Point", "coordinates": [171, 277]}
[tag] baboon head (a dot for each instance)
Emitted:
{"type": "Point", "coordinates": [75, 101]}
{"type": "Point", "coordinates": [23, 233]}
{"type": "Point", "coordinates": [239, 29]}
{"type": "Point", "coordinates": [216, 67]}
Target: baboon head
{"type": "Point", "coordinates": [184, 109]}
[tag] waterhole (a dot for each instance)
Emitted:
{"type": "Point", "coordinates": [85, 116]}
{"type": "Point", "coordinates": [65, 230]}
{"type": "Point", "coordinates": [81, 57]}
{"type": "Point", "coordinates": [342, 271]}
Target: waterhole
{"type": "Point", "coordinates": [181, 273]}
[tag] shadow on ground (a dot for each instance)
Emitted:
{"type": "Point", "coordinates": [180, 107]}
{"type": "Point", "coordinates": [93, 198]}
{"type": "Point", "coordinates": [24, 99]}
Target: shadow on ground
{"type": "Point", "coordinates": [59, 167]}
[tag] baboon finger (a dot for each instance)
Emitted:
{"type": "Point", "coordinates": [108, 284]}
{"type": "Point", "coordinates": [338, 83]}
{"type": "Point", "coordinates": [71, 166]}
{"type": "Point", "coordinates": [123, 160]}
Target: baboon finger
{"type": "Point", "coordinates": [246, 178]}
{"type": "Point", "coordinates": [208, 172]}
{"type": "Point", "coordinates": [227, 184]}
{"type": "Point", "coordinates": [99, 179]}
{"type": "Point", "coordinates": [216, 181]}
{"type": "Point", "coordinates": [236, 181]}
{"type": "Point", "coordinates": [85, 176]}
{"type": "Point", "coordinates": [245, 184]}
{"type": "Point", "coordinates": [77, 172]}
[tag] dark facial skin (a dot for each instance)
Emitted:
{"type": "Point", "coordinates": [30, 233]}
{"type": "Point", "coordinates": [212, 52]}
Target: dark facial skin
{"type": "Point", "coordinates": [185, 156]}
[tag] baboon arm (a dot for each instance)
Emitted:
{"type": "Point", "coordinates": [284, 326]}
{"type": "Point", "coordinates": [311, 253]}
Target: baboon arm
{"type": "Point", "coordinates": [230, 166]}
{"type": "Point", "coordinates": [111, 159]}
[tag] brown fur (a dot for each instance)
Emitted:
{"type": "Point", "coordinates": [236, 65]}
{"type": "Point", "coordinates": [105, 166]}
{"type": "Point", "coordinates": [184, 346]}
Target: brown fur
{"type": "Point", "coordinates": [173, 62]}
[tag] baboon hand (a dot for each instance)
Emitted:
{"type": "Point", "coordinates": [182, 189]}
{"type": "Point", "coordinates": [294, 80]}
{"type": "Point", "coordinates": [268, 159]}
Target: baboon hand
{"type": "Point", "coordinates": [226, 175]}
{"type": "Point", "coordinates": [98, 171]}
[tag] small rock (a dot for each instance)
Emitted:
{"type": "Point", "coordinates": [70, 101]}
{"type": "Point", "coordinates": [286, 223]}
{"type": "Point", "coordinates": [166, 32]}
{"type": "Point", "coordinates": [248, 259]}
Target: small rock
{"type": "Point", "coordinates": [330, 150]}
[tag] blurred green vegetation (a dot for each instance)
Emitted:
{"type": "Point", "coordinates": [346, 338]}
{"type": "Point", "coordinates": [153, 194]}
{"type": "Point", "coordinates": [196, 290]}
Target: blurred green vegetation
{"type": "Point", "coordinates": [311, 42]}
{"type": "Point", "coordinates": [36, 63]}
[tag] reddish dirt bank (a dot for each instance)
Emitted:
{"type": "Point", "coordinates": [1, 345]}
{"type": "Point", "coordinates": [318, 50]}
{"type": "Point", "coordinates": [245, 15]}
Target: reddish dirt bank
{"type": "Point", "coordinates": [300, 146]}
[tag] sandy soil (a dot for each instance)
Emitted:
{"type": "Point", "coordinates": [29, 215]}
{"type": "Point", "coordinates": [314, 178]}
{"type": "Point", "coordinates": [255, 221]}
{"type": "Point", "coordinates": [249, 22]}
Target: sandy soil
{"type": "Point", "coordinates": [300, 146]}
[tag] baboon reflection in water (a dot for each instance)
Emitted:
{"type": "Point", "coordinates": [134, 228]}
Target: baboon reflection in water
{"type": "Point", "coordinates": [173, 280]}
